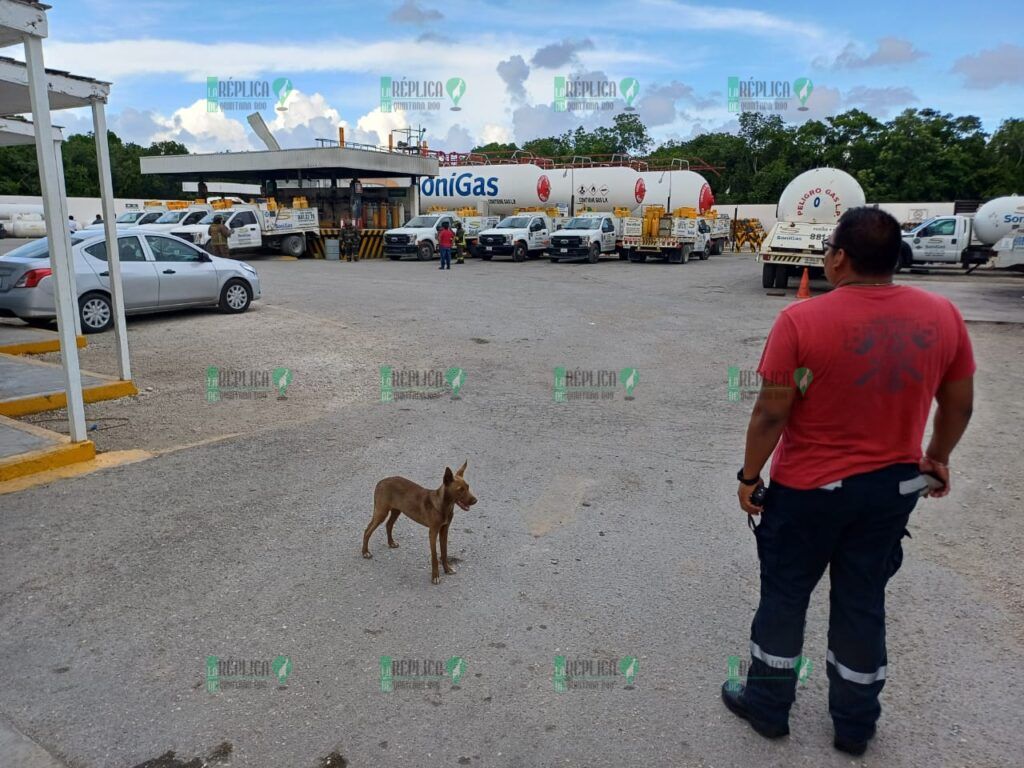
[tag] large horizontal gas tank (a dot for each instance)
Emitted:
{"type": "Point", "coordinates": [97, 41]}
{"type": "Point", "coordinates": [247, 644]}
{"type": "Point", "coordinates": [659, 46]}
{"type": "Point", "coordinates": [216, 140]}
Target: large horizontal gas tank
{"type": "Point", "coordinates": [999, 218]}
{"type": "Point", "coordinates": [691, 190]}
{"type": "Point", "coordinates": [604, 189]}
{"type": "Point", "coordinates": [8, 210]}
{"type": "Point", "coordinates": [819, 196]}
{"type": "Point", "coordinates": [494, 189]}
{"type": "Point", "coordinates": [657, 187]}
{"type": "Point", "coordinates": [27, 225]}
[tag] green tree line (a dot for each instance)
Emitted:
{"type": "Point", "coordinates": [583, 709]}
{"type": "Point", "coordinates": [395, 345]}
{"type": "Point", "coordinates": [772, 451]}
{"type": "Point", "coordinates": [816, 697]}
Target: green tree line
{"type": "Point", "coordinates": [921, 155]}
{"type": "Point", "coordinates": [19, 172]}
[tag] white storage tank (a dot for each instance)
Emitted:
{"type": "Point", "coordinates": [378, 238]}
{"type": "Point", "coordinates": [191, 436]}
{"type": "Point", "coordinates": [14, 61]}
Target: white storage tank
{"type": "Point", "coordinates": [604, 189]}
{"type": "Point", "coordinates": [999, 218]}
{"type": "Point", "coordinates": [27, 225]}
{"type": "Point", "coordinates": [691, 190]}
{"type": "Point", "coordinates": [657, 187]}
{"type": "Point", "coordinates": [819, 196]}
{"type": "Point", "coordinates": [494, 189]}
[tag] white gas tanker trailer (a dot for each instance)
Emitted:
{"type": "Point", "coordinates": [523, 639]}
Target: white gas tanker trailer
{"type": "Point", "coordinates": [504, 189]}
{"type": "Point", "coordinates": [808, 210]}
{"type": "Point", "coordinates": [966, 239]}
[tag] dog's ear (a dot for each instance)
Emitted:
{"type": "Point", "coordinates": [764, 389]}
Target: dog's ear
{"type": "Point", "coordinates": [462, 470]}
{"type": "Point", "coordinates": [448, 477]}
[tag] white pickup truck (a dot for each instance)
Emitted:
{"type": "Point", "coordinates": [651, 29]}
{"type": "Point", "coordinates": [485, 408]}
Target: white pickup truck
{"type": "Point", "coordinates": [257, 226]}
{"type": "Point", "coordinates": [586, 236]}
{"type": "Point", "coordinates": [174, 219]}
{"type": "Point", "coordinates": [674, 238]}
{"type": "Point", "coordinates": [418, 236]}
{"type": "Point", "coordinates": [966, 239]}
{"type": "Point", "coordinates": [522, 236]}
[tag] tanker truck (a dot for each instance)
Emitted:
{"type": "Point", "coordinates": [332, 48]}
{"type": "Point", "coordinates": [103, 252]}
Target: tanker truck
{"type": "Point", "coordinates": [808, 210]}
{"type": "Point", "coordinates": [967, 239]}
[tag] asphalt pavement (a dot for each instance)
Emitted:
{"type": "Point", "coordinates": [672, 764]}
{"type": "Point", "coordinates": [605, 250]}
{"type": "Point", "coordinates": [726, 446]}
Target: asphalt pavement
{"type": "Point", "coordinates": [607, 533]}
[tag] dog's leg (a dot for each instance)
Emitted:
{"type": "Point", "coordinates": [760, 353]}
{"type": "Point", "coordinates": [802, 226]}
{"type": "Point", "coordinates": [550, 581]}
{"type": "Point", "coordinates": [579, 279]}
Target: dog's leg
{"type": "Point", "coordinates": [379, 513]}
{"type": "Point", "coordinates": [391, 524]}
{"type": "Point", "coordinates": [434, 576]}
{"type": "Point", "coordinates": [444, 550]}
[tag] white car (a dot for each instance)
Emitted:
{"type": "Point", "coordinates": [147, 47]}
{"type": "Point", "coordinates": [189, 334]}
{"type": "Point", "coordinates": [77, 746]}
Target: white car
{"type": "Point", "coordinates": [158, 272]}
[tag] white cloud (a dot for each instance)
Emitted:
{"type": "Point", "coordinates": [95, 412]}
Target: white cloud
{"type": "Point", "coordinates": [410, 12]}
{"type": "Point", "coordinates": [492, 132]}
{"type": "Point", "coordinates": [880, 101]}
{"type": "Point", "coordinates": [890, 51]}
{"type": "Point", "coordinates": [995, 66]}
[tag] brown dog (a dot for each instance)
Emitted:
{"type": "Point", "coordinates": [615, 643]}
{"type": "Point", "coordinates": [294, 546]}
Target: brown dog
{"type": "Point", "coordinates": [433, 509]}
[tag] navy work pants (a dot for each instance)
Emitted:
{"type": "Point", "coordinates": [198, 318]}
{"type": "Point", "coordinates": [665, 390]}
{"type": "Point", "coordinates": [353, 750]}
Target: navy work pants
{"type": "Point", "coordinates": [853, 528]}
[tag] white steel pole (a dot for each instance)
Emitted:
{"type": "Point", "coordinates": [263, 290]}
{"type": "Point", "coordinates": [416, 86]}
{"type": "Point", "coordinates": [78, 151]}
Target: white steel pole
{"type": "Point", "coordinates": [99, 126]}
{"type": "Point", "coordinates": [57, 234]}
{"type": "Point", "coordinates": [62, 198]}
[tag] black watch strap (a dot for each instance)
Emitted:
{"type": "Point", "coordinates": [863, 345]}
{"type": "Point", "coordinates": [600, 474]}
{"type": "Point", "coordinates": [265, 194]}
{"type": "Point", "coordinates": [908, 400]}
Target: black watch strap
{"type": "Point", "coordinates": [745, 481]}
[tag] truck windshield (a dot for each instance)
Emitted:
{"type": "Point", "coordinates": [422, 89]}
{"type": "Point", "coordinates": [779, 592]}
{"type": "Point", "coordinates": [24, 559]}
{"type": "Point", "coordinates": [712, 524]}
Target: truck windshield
{"type": "Point", "coordinates": [515, 222]}
{"type": "Point", "coordinates": [583, 223]}
{"type": "Point", "coordinates": [208, 218]}
{"type": "Point", "coordinates": [171, 217]}
{"type": "Point", "coordinates": [422, 221]}
{"type": "Point", "coordinates": [130, 217]}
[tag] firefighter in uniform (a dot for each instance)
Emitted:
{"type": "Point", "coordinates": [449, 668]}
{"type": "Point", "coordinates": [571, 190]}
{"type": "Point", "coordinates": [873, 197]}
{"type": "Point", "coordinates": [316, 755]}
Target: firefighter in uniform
{"type": "Point", "coordinates": [219, 235]}
{"type": "Point", "coordinates": [849, 378]}
{"type": "Point", "coordinates": [460, 243]}
{"type": "Point", "coordinates": [350, 241]}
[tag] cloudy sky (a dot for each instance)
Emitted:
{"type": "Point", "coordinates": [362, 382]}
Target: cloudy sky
{"type": "Point", "coordinates": [880, 57]}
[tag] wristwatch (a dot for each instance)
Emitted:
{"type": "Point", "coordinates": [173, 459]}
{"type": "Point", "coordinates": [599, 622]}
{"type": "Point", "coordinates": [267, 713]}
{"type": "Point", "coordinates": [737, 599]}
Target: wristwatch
{"type": "Point", "coordinates": [745, 481]}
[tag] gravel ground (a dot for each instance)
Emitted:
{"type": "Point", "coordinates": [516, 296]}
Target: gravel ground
{"type": "Point", "coordinates": [604, 529]}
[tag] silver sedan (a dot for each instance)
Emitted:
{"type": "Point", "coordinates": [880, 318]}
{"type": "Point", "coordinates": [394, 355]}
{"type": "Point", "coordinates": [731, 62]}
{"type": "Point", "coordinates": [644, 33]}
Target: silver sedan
{"type": "Point", "coordinates": [159, 272]}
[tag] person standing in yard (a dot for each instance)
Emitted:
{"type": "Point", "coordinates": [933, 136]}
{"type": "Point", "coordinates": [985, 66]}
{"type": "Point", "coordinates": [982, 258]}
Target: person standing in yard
{"type": "Point", "coordinates": [848, 381]}
{"type": "Point", "coordinates": [460, 243]}
{"type": "Point", "coordinates": [445, 239]}
{"type": "Point", "coordinates": [350, 241]}
{"type": "Point", "coordinates": [219, 234]}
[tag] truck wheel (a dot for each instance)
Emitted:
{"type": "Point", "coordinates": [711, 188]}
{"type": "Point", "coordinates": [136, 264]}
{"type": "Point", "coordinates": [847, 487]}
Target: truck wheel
{"type": "Point", "coordinates": [706, 253]}
{"type": "Point", "coordinates": [781, 277]}
{"type": "Point", "coordinates": [96, 312]}
{"type": "Point", "coordinates": [906, 257]}
{"type": "Point", "coordinates": [594, 253]}
{"type": "Point", "coordinates": [768, 276]}
{"type": "Point", "coordinates": [235, 296]}
{"type": "Point", "coordinates": [424, 251]}
{"type": "Point", "coordinates": [293, 245]}
{"type": "Point", "coordinates": [519, 252]}
{"type": "Point", "coordinates": [637, 257]}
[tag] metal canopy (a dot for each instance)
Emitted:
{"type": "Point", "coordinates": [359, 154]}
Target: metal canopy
{"type": "Point", "coordinates": [19, 18]}
{"type": "Point", "coordinates": [14, 132]}
{"type": "Point", "coordinates": [310, 163]}
{"type": "Point", "coordinates": [67, 91]}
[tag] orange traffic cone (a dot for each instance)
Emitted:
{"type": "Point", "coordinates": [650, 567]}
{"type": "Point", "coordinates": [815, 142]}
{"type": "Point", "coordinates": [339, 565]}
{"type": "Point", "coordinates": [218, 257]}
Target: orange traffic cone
{"type": "Point", "coordinates": [805, 286]}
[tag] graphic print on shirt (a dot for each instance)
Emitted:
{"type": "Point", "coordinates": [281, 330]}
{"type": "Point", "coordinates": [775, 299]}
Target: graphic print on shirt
{"type": "Point", "coordinates": [891, 349]}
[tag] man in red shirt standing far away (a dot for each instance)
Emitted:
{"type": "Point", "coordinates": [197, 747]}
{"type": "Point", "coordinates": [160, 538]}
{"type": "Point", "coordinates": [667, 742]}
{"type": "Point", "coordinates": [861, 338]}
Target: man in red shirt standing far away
{"type": "Point", "coordinates": [848, 382]}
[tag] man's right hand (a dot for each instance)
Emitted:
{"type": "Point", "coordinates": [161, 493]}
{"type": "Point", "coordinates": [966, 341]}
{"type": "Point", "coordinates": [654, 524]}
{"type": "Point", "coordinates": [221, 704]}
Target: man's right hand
{"type": "Point", "coordinates": [938, 469]}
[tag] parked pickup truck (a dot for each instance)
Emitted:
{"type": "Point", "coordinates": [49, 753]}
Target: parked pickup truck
{"type": "Point", "coordinates": [674, 237]}
{"type": "Point", "coordinates": [586, 237]}
{"type": "Point", "coordinates": [258, 226]}
{"type": "Point", "coordinates": [418, 236]}
{"type": "Point", "coordinates": [521, 236]}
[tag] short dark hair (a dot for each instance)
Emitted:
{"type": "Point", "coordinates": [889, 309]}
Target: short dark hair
{"type": "Point", "coordinates": [871, 238]}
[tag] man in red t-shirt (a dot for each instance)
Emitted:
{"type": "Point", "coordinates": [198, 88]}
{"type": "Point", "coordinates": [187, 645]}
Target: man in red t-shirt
{"type": "Point", "coordinates": [849, 378]}
{"type": "Point", "coordinates": [445, 238]}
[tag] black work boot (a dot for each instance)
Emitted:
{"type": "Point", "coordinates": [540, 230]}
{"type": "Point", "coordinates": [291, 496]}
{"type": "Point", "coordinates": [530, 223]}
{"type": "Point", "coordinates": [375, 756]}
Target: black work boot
{"type": "Point", "coordinates": [732, 696]}
{"type": "Point", "coordinates": [851, 746]}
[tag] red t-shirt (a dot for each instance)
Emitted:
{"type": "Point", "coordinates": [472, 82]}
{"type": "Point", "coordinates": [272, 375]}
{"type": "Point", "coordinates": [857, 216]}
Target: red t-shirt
{"type": "Point", "coordinates": [870, 359]}
{"type": "Point", "coordinates": [446, 237]}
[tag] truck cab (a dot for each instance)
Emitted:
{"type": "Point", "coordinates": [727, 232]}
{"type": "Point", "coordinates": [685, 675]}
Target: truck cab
{"type": "Point", "coordinates": [939, 240]}
{"type": "Point", "coordinates": [521, 235]}
{"type": "Point", "coordinates": [586, 236]}
{"type": "Point", "coordinates": [417, 236]}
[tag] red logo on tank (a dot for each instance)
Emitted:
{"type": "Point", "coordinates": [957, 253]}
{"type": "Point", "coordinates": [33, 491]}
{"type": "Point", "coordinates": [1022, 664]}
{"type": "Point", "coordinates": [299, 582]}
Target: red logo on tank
{"type": "Point", "coordinates": [639, 191]}
{"type": "Point", "coordinates": [707, 199]}
{"type": "Point", "coordinates": [543, 189]}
